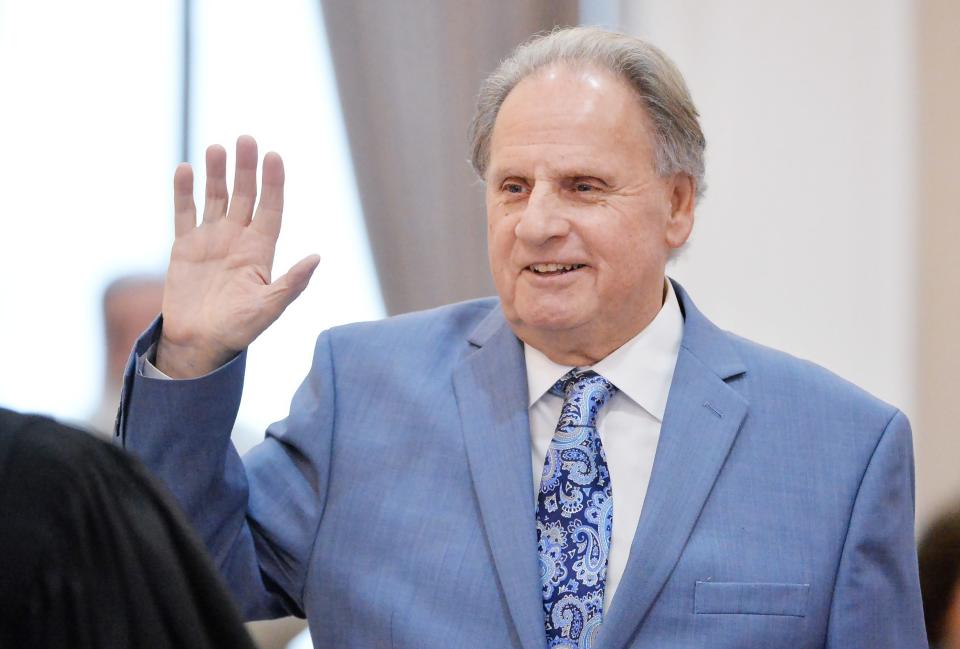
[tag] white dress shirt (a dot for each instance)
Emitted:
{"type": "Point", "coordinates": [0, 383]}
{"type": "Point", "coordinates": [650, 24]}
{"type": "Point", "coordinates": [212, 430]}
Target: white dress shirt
{"type": "Point", "coordinates": [629, 424]}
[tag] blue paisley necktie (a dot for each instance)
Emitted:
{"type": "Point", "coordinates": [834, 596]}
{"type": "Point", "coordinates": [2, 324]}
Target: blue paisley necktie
{"type": "Point", "coordinates": [575, 514]}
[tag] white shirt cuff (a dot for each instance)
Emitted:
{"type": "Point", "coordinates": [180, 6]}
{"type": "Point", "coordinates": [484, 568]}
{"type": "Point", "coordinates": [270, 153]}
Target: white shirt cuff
{"type": "Point", "coordinates": [148, 369]}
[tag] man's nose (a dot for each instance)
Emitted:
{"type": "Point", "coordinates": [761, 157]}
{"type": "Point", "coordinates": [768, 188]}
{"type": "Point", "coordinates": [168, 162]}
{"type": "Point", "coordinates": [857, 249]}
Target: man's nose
{"type": "Point", "coordinates": [543, 218]}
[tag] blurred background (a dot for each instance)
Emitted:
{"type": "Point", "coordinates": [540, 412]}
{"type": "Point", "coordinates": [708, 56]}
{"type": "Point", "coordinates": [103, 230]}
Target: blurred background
{"type": "Point", "coordinates": [829, 228]}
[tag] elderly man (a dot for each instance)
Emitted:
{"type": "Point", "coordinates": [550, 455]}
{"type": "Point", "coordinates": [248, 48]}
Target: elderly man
{"type": "Point", "coordinates": [584, 461]}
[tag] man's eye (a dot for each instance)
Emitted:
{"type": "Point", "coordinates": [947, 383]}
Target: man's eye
{"type": "Point", "coordinates": [513, 188]}
{"type": "Point", "coordinates": [584, 187]}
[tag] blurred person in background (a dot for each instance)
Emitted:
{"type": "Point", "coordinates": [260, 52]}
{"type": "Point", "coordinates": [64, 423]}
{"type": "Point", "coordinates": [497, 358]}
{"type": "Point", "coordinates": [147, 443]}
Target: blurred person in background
{"type": "Point", "coordinates": [129, 305]}
{"type": "Point", "coordinates": [94, 554]}
{"type": "Point", "coordinates": [939, 555]}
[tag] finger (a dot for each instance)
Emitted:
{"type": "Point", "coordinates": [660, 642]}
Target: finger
{"type": "Point", "coordinates": [286, 289]}
{"type": "Point", "coordinates": [244, 181]}
{"type": "Point", "coordinates": [184, 209]}
{"type": "Point", "coordinates": [215, 202]}
{"type": "Point", "coordinates": [270, 210]}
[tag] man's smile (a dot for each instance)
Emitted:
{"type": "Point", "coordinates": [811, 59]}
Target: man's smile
{"type": "Point", "coordinates": [553, 268]}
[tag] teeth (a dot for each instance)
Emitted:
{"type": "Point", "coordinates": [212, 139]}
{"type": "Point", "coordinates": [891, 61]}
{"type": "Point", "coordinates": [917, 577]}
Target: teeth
{"type": "Point", "coordinates": [552, 268]}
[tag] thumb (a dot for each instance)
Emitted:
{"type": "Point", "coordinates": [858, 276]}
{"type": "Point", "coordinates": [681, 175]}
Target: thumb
{"type": "Point", "coordinates": [287, 288]}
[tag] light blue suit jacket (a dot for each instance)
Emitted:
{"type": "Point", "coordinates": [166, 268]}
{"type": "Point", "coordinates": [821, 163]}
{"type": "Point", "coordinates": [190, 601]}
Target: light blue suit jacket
{"type": "Point", "coordinates": [394, 506]}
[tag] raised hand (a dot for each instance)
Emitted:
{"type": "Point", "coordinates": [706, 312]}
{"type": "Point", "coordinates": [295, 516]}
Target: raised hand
{"type": "Point", "coordinates": [218, 295]}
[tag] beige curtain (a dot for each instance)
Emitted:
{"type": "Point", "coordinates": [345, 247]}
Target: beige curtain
{"type": "Point", "coordinates": [937, 428]}
{"type": "Point", "coordinates": [408, 74]}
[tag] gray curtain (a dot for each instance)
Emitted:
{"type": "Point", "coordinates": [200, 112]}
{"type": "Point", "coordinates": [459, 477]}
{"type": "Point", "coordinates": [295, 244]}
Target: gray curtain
{"type": "Point", "coordinates": [408, 73]}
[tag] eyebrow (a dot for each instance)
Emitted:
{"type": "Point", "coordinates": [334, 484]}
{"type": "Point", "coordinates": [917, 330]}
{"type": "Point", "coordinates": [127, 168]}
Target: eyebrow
{"type": "Point", "coordinates": [505, 172]}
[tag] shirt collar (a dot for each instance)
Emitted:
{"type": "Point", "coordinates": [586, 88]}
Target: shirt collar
{"type": "Point", "coordinates": [642, 368]}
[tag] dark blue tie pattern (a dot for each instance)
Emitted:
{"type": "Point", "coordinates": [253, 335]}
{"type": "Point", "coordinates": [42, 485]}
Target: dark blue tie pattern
{"type": "Point", "coordinates": [575, 515]}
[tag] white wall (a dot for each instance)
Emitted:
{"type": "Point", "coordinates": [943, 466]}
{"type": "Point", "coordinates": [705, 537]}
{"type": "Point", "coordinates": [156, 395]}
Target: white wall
{"type": "Point", "coordinates": [805, 240]}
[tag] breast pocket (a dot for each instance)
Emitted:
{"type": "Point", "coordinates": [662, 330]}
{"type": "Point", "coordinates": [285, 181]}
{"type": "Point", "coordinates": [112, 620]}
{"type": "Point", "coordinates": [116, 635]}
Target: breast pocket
{"type": "Point", "coordinates": [734, 598]}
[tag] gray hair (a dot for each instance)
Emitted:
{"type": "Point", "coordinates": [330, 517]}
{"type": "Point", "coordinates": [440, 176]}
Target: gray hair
{"type": "Point", "coordinates": [678, 141]}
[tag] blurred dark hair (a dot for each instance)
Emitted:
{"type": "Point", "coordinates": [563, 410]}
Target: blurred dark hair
{"type": "Point", "coordinates": [93, 553]}
{"type": "Point", "coordinates": [939, 556]}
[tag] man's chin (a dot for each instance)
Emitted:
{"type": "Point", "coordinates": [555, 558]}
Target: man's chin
{"type": "Point", "coordinates": [546, 322]}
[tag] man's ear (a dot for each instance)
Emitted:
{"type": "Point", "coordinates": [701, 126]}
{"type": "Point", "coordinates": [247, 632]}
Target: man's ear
{"type": "Point", "coordinates": [682, 200]}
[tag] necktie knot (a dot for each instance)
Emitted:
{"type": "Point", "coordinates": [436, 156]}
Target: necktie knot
{"type": "Point", "coordinates": [584, 393]}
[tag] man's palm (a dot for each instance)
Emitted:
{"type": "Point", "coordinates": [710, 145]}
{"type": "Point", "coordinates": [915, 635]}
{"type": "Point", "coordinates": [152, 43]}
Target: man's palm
{"type": "Point", "coordinates": [218, 296]}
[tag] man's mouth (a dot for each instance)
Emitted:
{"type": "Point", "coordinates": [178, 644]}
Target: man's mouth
{"type": "Point", "coordinates": [553, 269]}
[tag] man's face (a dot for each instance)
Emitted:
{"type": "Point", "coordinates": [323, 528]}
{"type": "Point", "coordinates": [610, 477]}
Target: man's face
{"type": "Point", "coordinates": [580, 225]}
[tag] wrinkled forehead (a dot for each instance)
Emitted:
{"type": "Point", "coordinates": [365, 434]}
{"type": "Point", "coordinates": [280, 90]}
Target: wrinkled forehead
{"type": "Point", "coordinates": [565, 112]}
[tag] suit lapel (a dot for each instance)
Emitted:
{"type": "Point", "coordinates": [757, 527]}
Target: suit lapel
{"type": "Point", "coordinates": [491, 391]}
{"type": "Point", "coordinates": [701, 422]}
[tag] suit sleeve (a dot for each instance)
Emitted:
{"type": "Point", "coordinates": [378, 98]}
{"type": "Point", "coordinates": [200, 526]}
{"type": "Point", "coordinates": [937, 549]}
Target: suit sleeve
{"type": "Point", "coordinates": [259, 516]}
{"type": "Point", "coordinates": [876, 600]}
